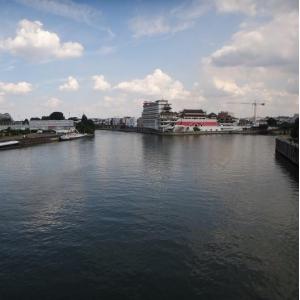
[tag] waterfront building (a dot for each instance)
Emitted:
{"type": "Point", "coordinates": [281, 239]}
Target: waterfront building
{"type": "Point", "coordinates": [193, 120]}
{"type": "Point", "coordinates": [115, 121]}
{"type": "Point", "coordinates": [139, 122]}
{"type": "Point", "coordinates": [56, 125]}
{"type": "Point", "coordinates": [225, 117]}
{"type": "Point", "coordinates": [286, 119]}
{"type": "Point", "coordinates": [129, 122]}
{"type": "Point", "coordinates": [157, 115]}
{"type": "Point", "coordinates": [212, 116]}
{"type": "Point", "coordinates": [5, 119]}
{"type": "Point", "coordinates": [16, 125]}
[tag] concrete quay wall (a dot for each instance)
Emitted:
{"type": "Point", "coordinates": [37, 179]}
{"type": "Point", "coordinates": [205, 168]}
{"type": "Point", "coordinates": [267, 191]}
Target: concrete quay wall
{"type": "Point", "coordinates": [288, 149]}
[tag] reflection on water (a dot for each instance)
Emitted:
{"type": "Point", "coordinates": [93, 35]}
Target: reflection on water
{"type": "Point", "coordinates": [291, 169]}
{"type": "Point", "coordinates": [132, 216]}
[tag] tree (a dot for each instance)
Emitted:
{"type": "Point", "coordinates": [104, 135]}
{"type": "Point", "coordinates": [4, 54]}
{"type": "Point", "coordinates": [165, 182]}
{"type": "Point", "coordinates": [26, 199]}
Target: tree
{"type": "Point", "coordinates": [26, 121]}
{"type": "Point", "coordinates": [285, 127]}
{"type": "Point", "coordinates": [272, 122]}
{"type": "Point", "coordinates": [73, 119]}
{"type": "Point", "coordinates": [295, 130]}
{"type": "Point", "coordinates": [85, 125]}
{"type": "Point", "coordinates": [56, 115]}
{"type": "Point", "coordinates": [84, 118]}
{"type": "Point", "coordinates": [34, 119]}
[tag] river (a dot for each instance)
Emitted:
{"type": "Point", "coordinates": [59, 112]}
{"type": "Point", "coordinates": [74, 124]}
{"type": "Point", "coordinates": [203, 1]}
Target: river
{"type": "Point", "coordinates": [133, 216]}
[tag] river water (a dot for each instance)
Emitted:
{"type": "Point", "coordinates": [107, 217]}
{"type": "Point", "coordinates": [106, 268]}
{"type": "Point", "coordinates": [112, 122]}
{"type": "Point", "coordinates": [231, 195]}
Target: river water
{"type": "Point", "coordinates": [132, 216]}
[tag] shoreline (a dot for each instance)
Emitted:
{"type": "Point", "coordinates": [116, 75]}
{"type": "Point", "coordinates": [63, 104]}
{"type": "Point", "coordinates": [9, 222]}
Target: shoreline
{"type": "Point", "coordinates": [152, 131]}
{"type": "Point", "coordinates": [28, 140]}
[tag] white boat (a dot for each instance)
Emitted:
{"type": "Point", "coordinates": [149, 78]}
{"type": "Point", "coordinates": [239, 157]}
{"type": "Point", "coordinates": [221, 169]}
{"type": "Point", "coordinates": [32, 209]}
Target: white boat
{"type": "Point", "coordinates": [72, 136]}
{"type": "Point", "coordinates": [8, 144]}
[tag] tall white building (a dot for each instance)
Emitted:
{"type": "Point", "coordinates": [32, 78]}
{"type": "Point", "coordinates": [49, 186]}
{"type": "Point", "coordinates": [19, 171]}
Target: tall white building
{"type": "Point", "coordinates": [153, 112]}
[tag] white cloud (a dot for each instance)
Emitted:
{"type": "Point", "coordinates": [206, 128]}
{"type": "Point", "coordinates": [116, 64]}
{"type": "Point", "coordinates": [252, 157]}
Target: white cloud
{"type": "Point", "coordinates": [228, 86]}
{"type": "Point", "coordinates": [65, 8]}
{"type": "Point", "coordinates": [260, 62]}
{"type": "Point", "coordinates": [100, 83]}
{"type": "Point", "coordinates": [71, 85]}
{"type": "Point", "coordinates": [247, 7]}
{"type": "Point", "coordinates": [33, 42]}
{"type": "Point", "coordinates": [158, 84]}
{"type": "Point", "coordinates": [185, 15]}
{"type": "Point", "coordinates": [53, 103]}
{"type": "Point", "coordinates": [272, 44]}
{"type": "Point", "coordinates": [15, 88]}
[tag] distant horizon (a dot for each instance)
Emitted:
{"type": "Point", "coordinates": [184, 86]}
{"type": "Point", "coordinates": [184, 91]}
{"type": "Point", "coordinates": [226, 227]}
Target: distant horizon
{"type": "Point", "coordinates": [105, 58]}
{"type": "Point", "coordinates": [123, 116]}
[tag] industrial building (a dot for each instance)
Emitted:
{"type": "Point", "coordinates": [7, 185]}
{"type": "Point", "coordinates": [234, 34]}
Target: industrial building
{"type": "Point", "coordinates": [55, 125]}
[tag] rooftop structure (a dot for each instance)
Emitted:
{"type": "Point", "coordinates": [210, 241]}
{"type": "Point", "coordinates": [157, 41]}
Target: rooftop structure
{"type": "Point", "coordinates": [192, 113]}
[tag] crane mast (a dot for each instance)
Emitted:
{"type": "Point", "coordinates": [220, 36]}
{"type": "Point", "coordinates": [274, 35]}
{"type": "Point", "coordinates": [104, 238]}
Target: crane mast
{"type": "Point", "coordinates": [254, 107]}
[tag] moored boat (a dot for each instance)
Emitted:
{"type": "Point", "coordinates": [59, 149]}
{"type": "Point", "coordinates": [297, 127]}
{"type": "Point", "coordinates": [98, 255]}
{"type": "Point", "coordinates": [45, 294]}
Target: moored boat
{"type": "Point", "coordinates": [8, 144]}
{"type": "Point", "coordinates": [72, 136]}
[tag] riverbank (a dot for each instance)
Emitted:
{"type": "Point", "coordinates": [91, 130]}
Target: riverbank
{"type": "Point", "coordinates": [288, 149]}
{"type": "Point", "coordinates": [30, 140]}
{"type": "Point", "coordinates": [153, 131]}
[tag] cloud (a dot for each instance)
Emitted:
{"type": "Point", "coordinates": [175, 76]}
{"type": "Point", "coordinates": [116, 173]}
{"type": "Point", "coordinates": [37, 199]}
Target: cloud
{"type": "Point", "coordinates": [82, 13]}
{"type": "Point", "coordinates": [105, 50]}
{"type": "Point", "coordinates": [186, 15]}
{"type": "Point", "coordinates": [271, 44]}
{"type": "Point", "coordinates": [142, 26]}
{"type": "Point", "coordinates": [53, 103]}
{"type": "Point", "coordinates": [179, 18]}
{"type": "Point", "coordinates": [158, 84]}
{"type": "Point", "coordinates": [71, 85]}
{"type": "Point", "coordinates": [33, 42]}
{"type": "Point", "coordinates": [228, 86]}
{"type": "Point", "coordinates": [259, 62]}
{"type": "Point", "coordinates": [15, 88]}
{"type": "Point", "coordinates": [100, 83]}
{"type": "Point", "coordinates": [248, 7]}
{"type": "Point", "coordinates": [64, 8]}
{"type": "Point", "coordinates": [2, 97]}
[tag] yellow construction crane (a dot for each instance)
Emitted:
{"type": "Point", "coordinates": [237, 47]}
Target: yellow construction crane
{"type": "Point", "coordinates": [254, 107]}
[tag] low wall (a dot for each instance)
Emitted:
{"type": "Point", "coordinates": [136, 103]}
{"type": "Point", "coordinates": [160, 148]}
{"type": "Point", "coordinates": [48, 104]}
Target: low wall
{"type": "Point", "coordinates": [288, 149]}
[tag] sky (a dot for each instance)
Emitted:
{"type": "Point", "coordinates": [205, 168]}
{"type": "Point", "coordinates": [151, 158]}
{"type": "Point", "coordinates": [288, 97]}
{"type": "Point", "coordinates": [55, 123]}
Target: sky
{"type": "Point", "coordinates": [105, 58]}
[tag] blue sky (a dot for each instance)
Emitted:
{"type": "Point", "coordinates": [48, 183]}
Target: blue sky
{"type": "Point", "coordinates": [104, 58]}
